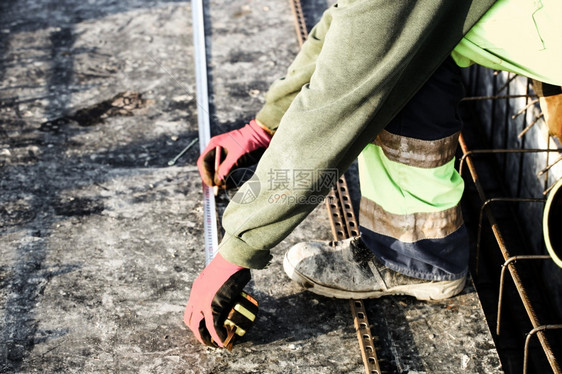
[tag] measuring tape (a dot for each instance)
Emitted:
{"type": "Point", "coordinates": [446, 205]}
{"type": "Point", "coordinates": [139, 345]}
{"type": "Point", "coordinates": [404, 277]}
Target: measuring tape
{"type": "Point", "coordinates": [243, 313]}
{"type": "Point", "coordinates": [240, 318]}
{"type": "Point", "coordinates": [209, 206]}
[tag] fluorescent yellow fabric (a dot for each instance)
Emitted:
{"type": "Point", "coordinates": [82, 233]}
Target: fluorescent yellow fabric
{"type": "Point", "coordinates": [403, 189]}
{"type": "Point", "coordinates": [520, 36]}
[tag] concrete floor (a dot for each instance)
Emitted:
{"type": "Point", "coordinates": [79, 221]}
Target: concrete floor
{"type": "Point", "coordinates": [101, 239]}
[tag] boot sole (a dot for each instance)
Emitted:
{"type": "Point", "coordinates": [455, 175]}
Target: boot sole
{"type": "Point", "coordinates": [423, 291]}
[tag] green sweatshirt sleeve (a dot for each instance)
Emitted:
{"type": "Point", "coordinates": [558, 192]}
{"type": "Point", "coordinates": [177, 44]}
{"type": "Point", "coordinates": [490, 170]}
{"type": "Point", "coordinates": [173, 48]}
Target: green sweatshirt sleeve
{"type": "Point", "coordinates": [284, 90]}
{"type": "Point", "coordinates": [374, 56]}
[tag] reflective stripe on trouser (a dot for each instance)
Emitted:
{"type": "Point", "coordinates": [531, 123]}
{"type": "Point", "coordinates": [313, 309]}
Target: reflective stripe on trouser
{"type": "Point", "coordinates": [410, 215]}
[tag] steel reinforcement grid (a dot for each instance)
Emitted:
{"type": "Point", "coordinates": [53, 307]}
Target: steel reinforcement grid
{"type": "Point", "coordinates": [507, 114]}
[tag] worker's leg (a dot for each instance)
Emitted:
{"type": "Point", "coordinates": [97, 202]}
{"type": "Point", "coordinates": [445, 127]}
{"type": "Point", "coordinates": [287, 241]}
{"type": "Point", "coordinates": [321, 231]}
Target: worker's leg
{"type": "Point", "coordinates": [410, 215]}
{"type": "Point", "coordinates": [413, 241]}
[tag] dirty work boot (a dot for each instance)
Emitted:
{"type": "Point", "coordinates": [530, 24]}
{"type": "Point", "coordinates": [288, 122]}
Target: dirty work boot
{"type": "Point", "coordinates": [348, 270]}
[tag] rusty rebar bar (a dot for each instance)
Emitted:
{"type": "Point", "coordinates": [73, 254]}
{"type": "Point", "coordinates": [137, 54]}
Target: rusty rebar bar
{"type": "Point", "coordinates": [528, 339]}
{"type": "Point", "coordinates": [481, 219]}
{"type": "Point", "coordinates": [523, 295]}
{"type": "Point", "coordinates": [469, 153]}
{"type": "Point", "coordinates": [496, 97]}
{"type": "Point", "coordinates": [507, 263]}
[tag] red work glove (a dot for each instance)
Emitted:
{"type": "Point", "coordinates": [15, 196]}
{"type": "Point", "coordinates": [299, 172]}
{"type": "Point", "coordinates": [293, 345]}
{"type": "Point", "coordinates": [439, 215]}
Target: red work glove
{"type": "Point", "coordinates": [239, 148]}
{"type": "Point", "coordinates": [213, 295]}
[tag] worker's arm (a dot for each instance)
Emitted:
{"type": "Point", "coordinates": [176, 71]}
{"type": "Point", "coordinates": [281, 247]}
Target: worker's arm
{"type": "Point", "coordinates": [243, 147]}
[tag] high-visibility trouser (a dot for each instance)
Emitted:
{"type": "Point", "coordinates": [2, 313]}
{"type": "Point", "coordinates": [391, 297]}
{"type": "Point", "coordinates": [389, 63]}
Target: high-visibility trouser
{"type": "Point", "coordinates": [410, 215]}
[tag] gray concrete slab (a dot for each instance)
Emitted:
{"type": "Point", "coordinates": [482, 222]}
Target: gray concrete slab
{"type": "Point", "coordinates": [101, 240]}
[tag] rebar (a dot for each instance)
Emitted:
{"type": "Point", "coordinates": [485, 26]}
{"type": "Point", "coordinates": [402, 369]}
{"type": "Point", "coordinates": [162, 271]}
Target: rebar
{"type": "Point", "coordinates": [528, 339]}
{"type": "Point", "coordinates": [471, 152]}
{"type": "Point", "coordinates": [344, 225]}
{"type": "Point", "coordinates": [507, 263]}
{"type": "Point", "coordinates": [481, 219]}
{"type": "Point", "coordinates": [522, 291]}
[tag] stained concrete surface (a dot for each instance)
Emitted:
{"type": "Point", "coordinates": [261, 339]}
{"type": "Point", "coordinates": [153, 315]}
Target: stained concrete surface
{"type": "Point", "coordinates": [101, 239]}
